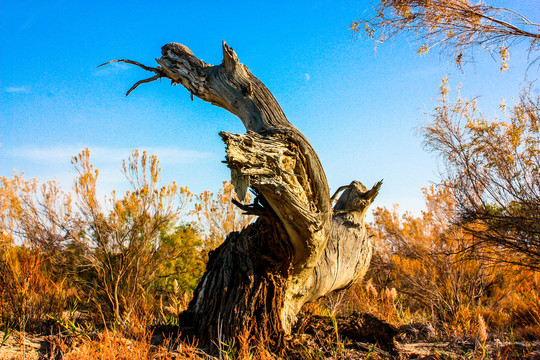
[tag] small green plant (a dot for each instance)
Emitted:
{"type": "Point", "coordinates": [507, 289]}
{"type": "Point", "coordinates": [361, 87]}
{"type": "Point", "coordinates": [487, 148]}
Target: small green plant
{"type": "Point", "coordinates": [69, 323]}
{"type": "Point", "coordinates": [441, 354]}
{"type": "Point", "coordinates": [482, 351]}
{"type": "Point", "coordinates": [512, 340]}
{"type": "Point", "coordinates": [7, 330]}
{"type": "Point", "coordinates": [371, 352]}
{"type": "Point", "coordinates": [335, 326]}
{"type": "Point", "coordinates": [338, 346]}
{"type": "Point", "coordinates": [227, 351]}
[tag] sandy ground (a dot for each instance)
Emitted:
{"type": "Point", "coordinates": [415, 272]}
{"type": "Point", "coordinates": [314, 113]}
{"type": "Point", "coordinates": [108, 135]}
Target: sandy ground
{"type": "Point", "coordinates": [25, 346]}
{"type": "Point", "coordinates": [22, 346]}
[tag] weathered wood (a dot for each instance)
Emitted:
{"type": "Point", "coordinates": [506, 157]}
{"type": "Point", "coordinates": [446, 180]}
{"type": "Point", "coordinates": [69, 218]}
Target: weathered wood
{"type": "Point", "coordinates": [300, 248]}
{"type": "Point", "coordinates": [359, 327]}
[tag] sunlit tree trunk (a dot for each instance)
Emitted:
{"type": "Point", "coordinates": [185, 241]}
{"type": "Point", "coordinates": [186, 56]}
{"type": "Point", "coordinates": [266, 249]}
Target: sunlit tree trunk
{"type": "Point", "coordinates": [301, 247]}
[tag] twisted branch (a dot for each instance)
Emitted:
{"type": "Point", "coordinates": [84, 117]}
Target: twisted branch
{"type": "Point", "coordinates": [158, 71]}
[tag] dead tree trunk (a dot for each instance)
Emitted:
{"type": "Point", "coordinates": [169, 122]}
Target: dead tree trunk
{"type": "Point", "coordinates": [300, 248]}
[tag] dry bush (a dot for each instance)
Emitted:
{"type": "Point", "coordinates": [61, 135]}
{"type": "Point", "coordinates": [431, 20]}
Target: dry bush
{"type": "Point", "coordinates": [438, 279]}
{"type": "Point", "coordinates": [137, 344]}
{"type": "Point", "coordinates": [111, 252]}
{"type": "Point", "coordinates": [117, 254]}
{"type": "Point", "coordinates": [457, 27]}
{"type": "Point", "coordinates": [33, 226]}
{"type": "Point", "coordinates": [383, 302]}
{"type": "Point", "coordinates": [424, 258]}
{"type": "Point", "coordinates": [492, 167]}
{"type": "Point", "coordinates": [116, 345]}
{"type": "Point", "coordinates": [524, 306]}
{"type": "Point", "coordinates": [29, 296]}
{"type": "Point", "coordinates": [217, 215]}
{"type": "Point", "coordinates": [362, 297]}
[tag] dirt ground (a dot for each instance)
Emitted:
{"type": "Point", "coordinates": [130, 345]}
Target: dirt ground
{"type": "Point", "coordinates": [32, 347]}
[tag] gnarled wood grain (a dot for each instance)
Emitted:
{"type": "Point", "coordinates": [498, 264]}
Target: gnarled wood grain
{"type": "Point", "coordinates": [300, 248]}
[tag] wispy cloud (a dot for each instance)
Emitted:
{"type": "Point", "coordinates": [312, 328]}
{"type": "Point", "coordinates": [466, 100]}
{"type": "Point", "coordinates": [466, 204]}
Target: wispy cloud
{"type": "Point", "coordinates": [46, 163]}
{"type": "Point", "coordinates": [307, 77]}
{"type": "Point", "coordinates": [104, 155]}
{"type": "Point", "coordinates": [110, 69]}
{"type": "Point", "coordinates": [17, 89]}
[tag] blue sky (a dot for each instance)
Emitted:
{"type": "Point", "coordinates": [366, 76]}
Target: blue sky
{"type": "Point", "coordinates": [359, 106]}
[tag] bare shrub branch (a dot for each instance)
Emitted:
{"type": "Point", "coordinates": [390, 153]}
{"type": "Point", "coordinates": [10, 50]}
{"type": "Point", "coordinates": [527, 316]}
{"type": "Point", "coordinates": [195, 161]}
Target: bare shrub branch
{"type": "Point", "coordinates": [457, 27]}
{"type": "Point", "coordinates": [493, 168]}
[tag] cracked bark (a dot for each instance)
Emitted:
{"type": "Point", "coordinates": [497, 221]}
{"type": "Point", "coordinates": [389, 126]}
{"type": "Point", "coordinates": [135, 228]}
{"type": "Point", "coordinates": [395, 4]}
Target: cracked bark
{"type": "Point", "coordinates": [300, 248]}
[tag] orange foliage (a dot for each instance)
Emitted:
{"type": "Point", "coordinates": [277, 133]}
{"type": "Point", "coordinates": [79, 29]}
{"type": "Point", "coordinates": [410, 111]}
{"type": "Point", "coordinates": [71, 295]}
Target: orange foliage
{"type": "Point", "coordinates": [217, 216]}
{"type": "Point", "coordinates": [118, 345]}
{"type": "Point", "coordinates": [493, 168]}
{"type": "Point", "coordinates": [113, 258]}
{"type": "Point", "coordinates": [29, 295]}
{"type": "Point", "coordinates": [34, 215]}
{"type": "Point", "coordinates": [456, 27]}
{"type": "Point", "coordinates": [109, 251]}
{"type": "Point", "coordinates": [437, 276]}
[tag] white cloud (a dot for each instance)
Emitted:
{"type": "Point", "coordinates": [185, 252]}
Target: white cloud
{"type": "Point", "coordinates": [17, 89]}
{"type": "Point", "coordinates": [104, 155]}
{"type": "Point", "coordinates": [46, 163]}
{"type": "Point", "coordinates": [307, 77]}
{"type": "Point", "coordinates": [109, 69]}
{"type": "Point", "coordinates": [52, 155]}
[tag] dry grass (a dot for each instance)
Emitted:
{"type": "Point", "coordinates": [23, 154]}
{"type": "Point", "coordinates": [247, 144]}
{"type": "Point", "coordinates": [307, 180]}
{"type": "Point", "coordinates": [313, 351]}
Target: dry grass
{"type": "Point", "coordinates": [115, 345]}
{"type": "Point", "coordinates": [109, 344]}
{"type": "Point", "coordinates": [28, 295]}
{"type": "Point", "coordinates": [411, 281]}
{"type": "Point", "coordinates": [120, 344]}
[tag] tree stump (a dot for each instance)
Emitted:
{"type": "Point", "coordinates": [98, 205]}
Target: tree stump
{"type": "Point", "coordinates": [301, 247]}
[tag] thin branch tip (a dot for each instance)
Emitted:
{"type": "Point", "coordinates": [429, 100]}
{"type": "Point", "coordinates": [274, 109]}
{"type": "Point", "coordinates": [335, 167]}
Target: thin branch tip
{"type": "Point", "coordinates": [153, 78]}
{"type": "Point", "coordinates": [136, 63]}
{"type": "Point", "coordinates": [107, 63]}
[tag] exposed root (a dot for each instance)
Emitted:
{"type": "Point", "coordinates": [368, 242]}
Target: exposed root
{"type": "Point", "coordinates": [352, 331]}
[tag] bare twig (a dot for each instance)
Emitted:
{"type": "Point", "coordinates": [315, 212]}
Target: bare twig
{"type": "Point", "coordinates": [338, 191]}
{"type": "Point", "coordinates": [158, 71]}
{"type": "Point", "coordinates": [252, 209]}
{"type": "Point", "coordinates": [147, 68]}
{"type": "Point", "coordinates": [456, 27]}
{"type": "Point", "coordinates": [153, 78]}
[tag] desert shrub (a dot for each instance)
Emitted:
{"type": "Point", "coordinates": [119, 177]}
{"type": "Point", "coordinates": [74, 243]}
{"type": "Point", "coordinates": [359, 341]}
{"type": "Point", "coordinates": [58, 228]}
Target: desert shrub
{"type": "Point", "coordinates": [492, 167]}
{"type": "Point", "coordinates": [184, 263]}
{"type": "Point", "coordinates": [383, 302]}
{"type": "Point", "coordinates": [424, 259]}
{"type": "Point", "coordinates": [217, 215]}
{"type": "Point", "coordinates": [111, 253]}
{"type": "Point", "coordinates": [29, 295]}
{"type": "Point", "coordinates": [523, 306]}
